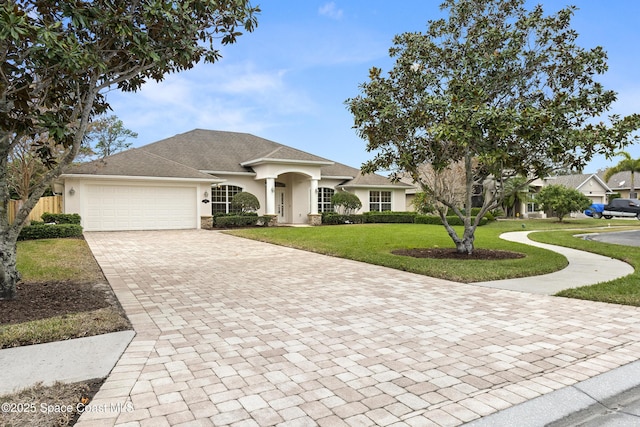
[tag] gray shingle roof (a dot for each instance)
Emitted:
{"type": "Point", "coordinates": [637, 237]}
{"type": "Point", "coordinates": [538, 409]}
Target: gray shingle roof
{"type": "Point", "coordinates": [139, 163]}
{"type": "Point", "coordinates": [189, 154]}
{"type": "Point", "coordinates": [575, 181]}
{"type": "Point", "coordinates": [622, 180]}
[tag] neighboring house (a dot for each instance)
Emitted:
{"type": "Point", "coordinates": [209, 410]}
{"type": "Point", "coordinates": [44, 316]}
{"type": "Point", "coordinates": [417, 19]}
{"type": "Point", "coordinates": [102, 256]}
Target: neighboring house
{"type": "Point", "coordinates": [176, 182]}
{"type": "Point", "coordinates": [621, 183]}
{"type": "Point", "coordinates": [591, 185]}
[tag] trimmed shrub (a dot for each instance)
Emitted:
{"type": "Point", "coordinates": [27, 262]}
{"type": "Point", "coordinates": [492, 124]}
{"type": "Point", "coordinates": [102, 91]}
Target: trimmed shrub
{"type": "Point", "coordinates": [229, 221]}
{"type": "Point", "coordinates": [452, 220]}
{"type": "Point", "coordinates": [50, 231]}
{"type": "Point", "coordinates": [333, 218]}
{"type": "Point", "coordinates": [345, 202]}
{"type": "Point", "coordinates": [245, 202]}
{"type": "Point", "coordinates": [390, 217]}
{"type": "Point", "coordinates": [60, 218]}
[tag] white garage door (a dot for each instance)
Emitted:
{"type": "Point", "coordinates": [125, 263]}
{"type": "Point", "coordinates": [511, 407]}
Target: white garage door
{"type": "Point", "coordinates": [127, 207]}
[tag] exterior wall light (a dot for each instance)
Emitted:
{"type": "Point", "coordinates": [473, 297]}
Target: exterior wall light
{"type": "Point", "coordinates": [72, 191]}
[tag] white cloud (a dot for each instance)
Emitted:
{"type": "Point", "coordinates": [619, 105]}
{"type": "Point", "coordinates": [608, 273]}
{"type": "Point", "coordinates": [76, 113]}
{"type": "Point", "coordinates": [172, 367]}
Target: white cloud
{"type": "Point", "coordinates": [234, 97]}
{"type": "Point", "coordinates": [330, 10]}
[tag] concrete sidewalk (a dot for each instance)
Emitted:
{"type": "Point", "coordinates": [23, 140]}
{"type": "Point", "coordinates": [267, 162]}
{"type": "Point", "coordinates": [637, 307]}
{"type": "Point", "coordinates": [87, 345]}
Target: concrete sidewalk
{"type": "Point", "coordinates": [305, 339]}
{"type": "Point", "coordinates": [68, 361]}
{"type": "Point", "coordinates": [584, 269]}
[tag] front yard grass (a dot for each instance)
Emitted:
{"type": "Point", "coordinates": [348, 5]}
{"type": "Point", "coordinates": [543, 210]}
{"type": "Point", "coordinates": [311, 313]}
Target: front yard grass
{"type": "Point", "coordinates": [373, 243]}
{"type": "Point", "coordinates": [67, 261]}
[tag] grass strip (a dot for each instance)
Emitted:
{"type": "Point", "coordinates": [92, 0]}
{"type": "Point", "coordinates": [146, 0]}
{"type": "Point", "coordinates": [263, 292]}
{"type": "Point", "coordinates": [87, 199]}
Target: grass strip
{"type": "Point", "coordinates": [624, 290]}
{"type": "Point", "coordinates": [58, 328]}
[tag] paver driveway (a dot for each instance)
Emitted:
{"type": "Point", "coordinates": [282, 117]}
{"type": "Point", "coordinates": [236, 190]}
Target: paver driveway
{"type": "Point", "coordinates": [237, 332]}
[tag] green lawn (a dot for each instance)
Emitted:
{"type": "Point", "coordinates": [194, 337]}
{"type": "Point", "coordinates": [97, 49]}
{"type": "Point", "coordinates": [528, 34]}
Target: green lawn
{"type": "Point", "coordinates": [373, 243]}
{"type": "Point", "coordinates": [65, 260]}
{"type": "Point", "coordinates": [57, 260]}
{"type": "Point", "coordinates": [625, 290]}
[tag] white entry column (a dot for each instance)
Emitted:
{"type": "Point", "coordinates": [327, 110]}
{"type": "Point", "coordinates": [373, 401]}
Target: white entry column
{"type": "Point", "coordinates": [270, 196]}
{"type": "Point", "coordinates": [313, 209]}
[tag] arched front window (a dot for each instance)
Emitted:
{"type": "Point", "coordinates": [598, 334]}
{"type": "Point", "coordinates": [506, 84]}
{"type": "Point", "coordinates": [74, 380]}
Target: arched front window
{"type": "Point", "coordinates": [221, 198]}
{"type": "Point", "coordinates": [324, 199]}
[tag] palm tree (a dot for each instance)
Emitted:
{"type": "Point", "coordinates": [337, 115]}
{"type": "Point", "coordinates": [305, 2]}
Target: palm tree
{"type": "Point", "coordinates": [516, 190]}
{"type": "Point", "coordinates": [626, 165]}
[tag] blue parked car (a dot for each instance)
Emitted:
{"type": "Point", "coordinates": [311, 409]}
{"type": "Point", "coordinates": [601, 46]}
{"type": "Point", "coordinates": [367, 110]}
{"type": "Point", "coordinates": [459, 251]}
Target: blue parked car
{"type": "Point", "coordinates": [595, 210]}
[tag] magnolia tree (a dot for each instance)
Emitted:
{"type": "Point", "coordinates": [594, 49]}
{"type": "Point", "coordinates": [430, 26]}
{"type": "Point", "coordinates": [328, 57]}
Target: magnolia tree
{"type": "Point", "coordinates": [59, 58]}
{"type": "Point", "coordinates": [502, 90]}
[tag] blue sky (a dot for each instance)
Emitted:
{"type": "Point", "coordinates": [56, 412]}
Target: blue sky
{"type": "Point", "coordinates": [289, 79]}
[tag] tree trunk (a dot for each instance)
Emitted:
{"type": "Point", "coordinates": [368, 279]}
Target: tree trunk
{"type": "Point", "coordinates": [9, 276]}
{"type": "Point", "coordinates": [465, 245]}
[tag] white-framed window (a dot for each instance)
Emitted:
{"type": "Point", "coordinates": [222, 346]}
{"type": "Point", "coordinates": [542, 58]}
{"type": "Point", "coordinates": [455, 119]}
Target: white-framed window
{"type": "Point", "coordinates": [324, 199]}
{"type": "Point", "coordinates": [532, 206]}
{"type": "Point", "coordinates": [221, 198]}
{"type": "Point", "coordinates": [379, 200]}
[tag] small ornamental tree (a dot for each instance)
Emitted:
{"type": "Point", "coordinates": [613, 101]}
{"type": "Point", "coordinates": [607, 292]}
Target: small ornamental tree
{"type": "Point", "coordinates": [562, 200]}
{"type": "Point", "coordinates": [422, 203]}
{"type": "Point", "coordinates": [244, 202]}
{"type": "Point", "coordinates": [345, 203]}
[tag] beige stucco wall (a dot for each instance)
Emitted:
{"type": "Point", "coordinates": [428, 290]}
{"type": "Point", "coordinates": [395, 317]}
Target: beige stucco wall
{"type": "Point", "coordinates": [398, 198]}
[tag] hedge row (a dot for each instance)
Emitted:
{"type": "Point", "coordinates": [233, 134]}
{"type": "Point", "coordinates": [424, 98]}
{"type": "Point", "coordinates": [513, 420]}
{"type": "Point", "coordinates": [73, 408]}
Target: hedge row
{"type": "Point", "coordinates": [60, 218]}
{"type": "Point", "coordinates": [229, 221]}
{"type": "Point", "coordinates": [332, 218]}
{"type": "Point", "coordinates": [50, 231]}
{"type": "Point", "coordinates": [452, 220]}
{"type": "Point", "coordinates": [390, 217]}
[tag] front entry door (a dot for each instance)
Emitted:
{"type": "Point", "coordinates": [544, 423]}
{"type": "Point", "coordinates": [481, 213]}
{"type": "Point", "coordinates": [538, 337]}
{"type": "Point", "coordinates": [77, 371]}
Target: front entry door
{"type": "Point", "coordinates": [281, 208]}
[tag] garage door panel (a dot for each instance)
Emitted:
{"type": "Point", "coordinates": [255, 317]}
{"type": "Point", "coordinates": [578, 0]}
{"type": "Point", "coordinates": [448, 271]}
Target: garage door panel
{"type": "Point", "coordinates": [122, 207]}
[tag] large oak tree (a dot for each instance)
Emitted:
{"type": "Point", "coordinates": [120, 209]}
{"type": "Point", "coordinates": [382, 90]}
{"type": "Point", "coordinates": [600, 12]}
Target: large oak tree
{"type": "Point", "coordinates": [503, 89]}
{"type": "Point", "coordinates": [59, 58]}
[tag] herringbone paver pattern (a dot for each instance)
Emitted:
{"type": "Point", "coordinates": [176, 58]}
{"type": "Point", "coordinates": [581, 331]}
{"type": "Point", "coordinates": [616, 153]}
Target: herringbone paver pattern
{"type": "Point", "coordinates": [237, 332]}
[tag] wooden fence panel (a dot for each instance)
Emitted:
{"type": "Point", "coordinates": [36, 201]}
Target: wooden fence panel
{"type": "Point", "coordinates": [51, 204]}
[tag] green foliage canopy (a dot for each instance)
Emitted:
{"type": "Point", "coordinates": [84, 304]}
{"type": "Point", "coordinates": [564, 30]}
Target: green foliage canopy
{"type": "Point", "coordinates": [562, 200]}
{"type": "Point", "coordinates": [108, 136]}
{"type": "Point", "coordinates": [245, 202]}
{"type": "Point", "coordinates": [58, 59]}
{"type": "Point", "coordinates": [503, 89]}
{"type": "Point", "coordinates": [345, 202]}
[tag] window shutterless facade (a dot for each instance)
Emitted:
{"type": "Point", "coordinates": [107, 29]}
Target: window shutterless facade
{"type": "Point", "coordinates": [324, 199]}
{"type": "Point", "coordinates": [221, 198]}
{"type": "Point", "coordinates": [379, 200]}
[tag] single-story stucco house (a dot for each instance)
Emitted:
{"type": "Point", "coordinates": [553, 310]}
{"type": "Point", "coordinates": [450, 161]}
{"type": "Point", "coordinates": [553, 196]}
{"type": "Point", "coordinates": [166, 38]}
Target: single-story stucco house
{"type": "Point", "coordinates": [621, 183]}
{"type": "Point", "coordinates": [591, 185]}
{"type": "Point", "coordinates": [176, 182]}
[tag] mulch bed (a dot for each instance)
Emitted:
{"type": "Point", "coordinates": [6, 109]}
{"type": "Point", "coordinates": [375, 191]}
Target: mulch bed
{"type": "Point", "coordinates": [36, 301]}
{"type": "Point", "coordinates": [448, 253]}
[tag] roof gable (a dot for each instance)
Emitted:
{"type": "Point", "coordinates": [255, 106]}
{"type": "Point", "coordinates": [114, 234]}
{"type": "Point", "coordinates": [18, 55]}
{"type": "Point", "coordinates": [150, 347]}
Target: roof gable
{"type": "Point", "coordinates": [576, 181]}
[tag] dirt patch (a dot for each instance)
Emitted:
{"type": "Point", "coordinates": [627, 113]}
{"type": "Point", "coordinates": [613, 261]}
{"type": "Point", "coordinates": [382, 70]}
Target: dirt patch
{"type": "Point", "coordinates": [35, 301]}
{"type": "Point", "coordinates": [449, 253]}
{"type": "Point", "coordinates": [36, 406]}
